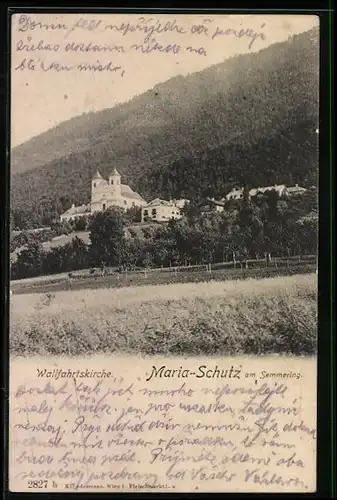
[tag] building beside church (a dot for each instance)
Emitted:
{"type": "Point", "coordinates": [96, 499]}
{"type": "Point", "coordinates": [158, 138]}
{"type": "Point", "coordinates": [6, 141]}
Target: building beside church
{"type": "Point", "coordinates": [75, 212]}
{"type": "Point", "coordinates": [105, 194]}
{"type": "Point", "coordinates": [162, 210]}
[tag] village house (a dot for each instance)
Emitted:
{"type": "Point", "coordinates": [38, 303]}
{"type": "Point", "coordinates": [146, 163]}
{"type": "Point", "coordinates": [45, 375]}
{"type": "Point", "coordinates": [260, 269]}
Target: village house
{"type": "Point", "coordinates": [105, 194]}
{"type": "Point", "coordinates": [75, 213]}
{"type": "Point", "coordinates": [295, 190]}
{"type": "Point", "coordinates": [281, 189]}
{"type": "Point", "coordinates": [162, 210]}
{"type": "Point", "coordinates": [213, 205]}
{"type": "Point", "coordinates": [237, 193]}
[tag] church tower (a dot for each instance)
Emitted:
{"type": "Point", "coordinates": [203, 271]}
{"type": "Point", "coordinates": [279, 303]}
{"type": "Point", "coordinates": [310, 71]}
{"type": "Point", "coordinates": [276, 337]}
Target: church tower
{"type": "Point", "coordinates": [115, 184]}
{"type": "Point", "coordinates": [97, 190]}
{"type": "Point", "coordinates": [96, 180]}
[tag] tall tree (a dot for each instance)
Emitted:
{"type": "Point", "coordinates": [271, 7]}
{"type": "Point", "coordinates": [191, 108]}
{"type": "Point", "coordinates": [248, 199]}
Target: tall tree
{"type": "Point", "coordinates": [107, 237]}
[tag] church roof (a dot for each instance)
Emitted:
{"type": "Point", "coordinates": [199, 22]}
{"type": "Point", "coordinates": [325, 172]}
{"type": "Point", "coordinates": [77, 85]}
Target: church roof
{"type": "Point", "coordinates": [127, 192]}
{"type": "Point", "coordinates": [115, 172]}
{"type": "Point", "coordinates": [97, 175]}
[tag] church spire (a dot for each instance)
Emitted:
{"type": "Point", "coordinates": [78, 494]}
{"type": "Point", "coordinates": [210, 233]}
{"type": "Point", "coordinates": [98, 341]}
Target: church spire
{"type": "Point", "coordinates": [97, 175]}
{"type": "Point", "coordinates": [115, 172]}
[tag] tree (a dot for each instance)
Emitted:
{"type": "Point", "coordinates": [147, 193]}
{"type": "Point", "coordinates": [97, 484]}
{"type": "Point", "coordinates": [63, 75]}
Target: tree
{"type": "Point", "coordinates": [249, 236]}
{"type": "Point", "coordinates": [133, 214]}
{"type": "Point", "coordinates": [272, 199]}
{"type": "Point", "coordinates": [61, 227]}
{"type": "Point", "coordinates": [29, 262]}
{"type": "Point", "coordinates": [80, 224]}
{"type": "Point", "coordinates": [107, 237]}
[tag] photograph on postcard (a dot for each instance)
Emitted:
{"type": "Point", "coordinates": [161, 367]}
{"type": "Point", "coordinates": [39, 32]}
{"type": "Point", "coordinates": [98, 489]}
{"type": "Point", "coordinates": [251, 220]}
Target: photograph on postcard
{"type": "Point", "coordinates": [163, 252]}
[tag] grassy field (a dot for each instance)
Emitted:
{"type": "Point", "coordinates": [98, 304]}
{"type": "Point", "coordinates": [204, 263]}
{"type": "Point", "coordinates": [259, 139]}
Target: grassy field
{"type": "Point", "coordinates": [252, 316]}
{"type": "Point", "coordinates": [61, 282]}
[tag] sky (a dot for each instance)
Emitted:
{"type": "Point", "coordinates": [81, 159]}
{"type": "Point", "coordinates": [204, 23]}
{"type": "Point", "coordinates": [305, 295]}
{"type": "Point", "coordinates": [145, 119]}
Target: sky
{"type": "Point", "coordinates": [44, 94]}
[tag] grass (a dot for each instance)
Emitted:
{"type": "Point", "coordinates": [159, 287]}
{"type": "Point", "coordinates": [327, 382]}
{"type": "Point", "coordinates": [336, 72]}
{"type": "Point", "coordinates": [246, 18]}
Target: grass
{"type": "Point", "coordinates": [253, 316]}
{"type": "Point", "coordinates": [60, 282]}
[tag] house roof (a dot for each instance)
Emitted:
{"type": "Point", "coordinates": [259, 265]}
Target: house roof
{"type": "Point", "coordinates": [235, 192]}
{"type": "Point", "coordinates": [276, 187]}
{"type": "Point", "coordinates": [82, 209]}
{"type": "Point", "coordinates": [294, 189]}
{"type": "Point", "coordinates": [180, 203]}
{"type": "Point", "coordinates": [158, 201]}
{"type": "Point", "coordinates": [220, 203]}
{"type": "Point", "coordinates": [255, 191]}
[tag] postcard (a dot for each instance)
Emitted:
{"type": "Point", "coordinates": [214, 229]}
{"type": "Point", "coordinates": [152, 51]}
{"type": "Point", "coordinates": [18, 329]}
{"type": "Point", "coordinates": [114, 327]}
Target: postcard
{"type": "Point", "coordinates": [163, 252]}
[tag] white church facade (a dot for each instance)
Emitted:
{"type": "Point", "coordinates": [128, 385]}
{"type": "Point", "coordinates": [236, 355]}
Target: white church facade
{"type": "Point", "coordinates": [111, 192]}
{"type": "Point", "coordinates": [105, 194]}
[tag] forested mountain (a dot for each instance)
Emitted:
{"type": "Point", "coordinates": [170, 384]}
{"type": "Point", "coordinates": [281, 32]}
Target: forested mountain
{"type": "Point", "coordinates": [249, 120]}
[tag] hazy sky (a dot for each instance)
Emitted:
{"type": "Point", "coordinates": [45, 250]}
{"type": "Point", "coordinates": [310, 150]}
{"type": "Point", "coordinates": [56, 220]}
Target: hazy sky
{"type": "Point", "coordinates": [42, 96]}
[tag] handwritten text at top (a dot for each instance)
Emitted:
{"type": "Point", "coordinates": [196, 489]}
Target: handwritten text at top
{"type": "Point", "coordinates": [147, 26]}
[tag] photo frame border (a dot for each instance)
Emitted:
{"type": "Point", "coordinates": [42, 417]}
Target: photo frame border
{"type": "Point", "coordinates": [326, 447]}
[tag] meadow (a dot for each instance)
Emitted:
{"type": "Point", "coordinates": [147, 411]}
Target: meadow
{"type": "Point", "coordinates": [233, 317]}
{"type": "Point", "coordinates": [196, 274]}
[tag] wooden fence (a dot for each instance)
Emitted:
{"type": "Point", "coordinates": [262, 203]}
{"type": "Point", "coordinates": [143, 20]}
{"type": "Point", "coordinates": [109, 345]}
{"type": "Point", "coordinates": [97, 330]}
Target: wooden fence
{"type": "Point", "coordinates": [276, 262]}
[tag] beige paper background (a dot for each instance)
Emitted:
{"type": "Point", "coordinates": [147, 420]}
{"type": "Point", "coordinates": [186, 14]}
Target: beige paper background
{"type": "Point", "coordinates": [282, 453]}
{"type": "Point", "coordinates": [48, 98]}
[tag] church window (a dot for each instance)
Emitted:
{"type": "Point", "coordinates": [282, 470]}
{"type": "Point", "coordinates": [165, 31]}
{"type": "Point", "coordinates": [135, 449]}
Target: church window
{"type": "Point", "coordinates": [125, 202]}
{"type": "Point", "coordinates": [104, 206]}
{"type": "Point", "coordinates": [111, 181]}
{"type": "Point", "coordinates": [94, 184]}
{"type": "Point", "coordinates": [146, 212]}
{"type": "Point", "coordinates": [154, 211]}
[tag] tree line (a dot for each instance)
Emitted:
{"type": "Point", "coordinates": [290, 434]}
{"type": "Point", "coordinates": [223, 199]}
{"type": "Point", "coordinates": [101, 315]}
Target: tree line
{"type": "Point", "coordinates": [246, 229]}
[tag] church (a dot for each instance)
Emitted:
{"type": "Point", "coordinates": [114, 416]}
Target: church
{"type": "Point", "coordinates": [104, 194]}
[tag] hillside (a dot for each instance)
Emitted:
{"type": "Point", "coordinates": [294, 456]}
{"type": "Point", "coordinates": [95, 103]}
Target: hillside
{"type": "Point", "coordinates": [134, 230]}
{"type": "Point", "coordinates": [249, 119]}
